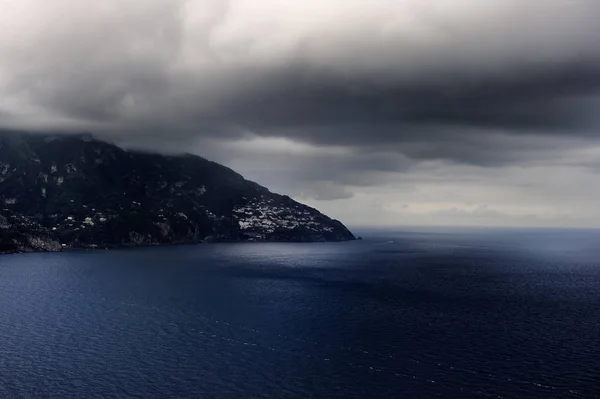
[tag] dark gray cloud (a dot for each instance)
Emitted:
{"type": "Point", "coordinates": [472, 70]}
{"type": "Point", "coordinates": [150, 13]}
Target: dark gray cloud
{"type": "Point", "coordinates": [324, 173]}
{"type": "Point", "coordinates": [488, 82]}
{"type": "Point", "coordinates": [516, 100]}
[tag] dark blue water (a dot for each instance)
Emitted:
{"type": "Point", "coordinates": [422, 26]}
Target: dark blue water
{"type": "Point", "coordinates": [462, 314]}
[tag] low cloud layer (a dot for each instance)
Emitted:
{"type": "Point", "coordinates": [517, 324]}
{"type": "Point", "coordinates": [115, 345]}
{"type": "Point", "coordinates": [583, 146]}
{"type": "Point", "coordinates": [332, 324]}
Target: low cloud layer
{"type": "Point", "coordinates": [352, 93]}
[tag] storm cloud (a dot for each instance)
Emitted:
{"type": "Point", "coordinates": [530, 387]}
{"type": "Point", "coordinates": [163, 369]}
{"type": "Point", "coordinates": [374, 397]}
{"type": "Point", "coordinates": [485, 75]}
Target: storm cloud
{"type": "Point", "coordinates": [338, 93]}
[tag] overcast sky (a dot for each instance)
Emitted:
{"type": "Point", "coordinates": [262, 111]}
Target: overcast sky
{"type": "Point", "coordinates": [377, 112]}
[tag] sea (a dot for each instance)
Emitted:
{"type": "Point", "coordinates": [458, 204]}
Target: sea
{"type": "Point", "coordinates": [405, 313]}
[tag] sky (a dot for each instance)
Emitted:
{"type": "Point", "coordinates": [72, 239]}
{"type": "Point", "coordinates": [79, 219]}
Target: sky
{"type": "Point", "coordinates": [376, 112]}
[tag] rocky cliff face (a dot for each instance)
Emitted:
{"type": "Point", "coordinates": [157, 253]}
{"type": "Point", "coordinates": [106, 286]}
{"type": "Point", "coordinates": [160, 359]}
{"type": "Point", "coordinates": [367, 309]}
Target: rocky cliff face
{"type": "Point", "coordinates": [74, 191]}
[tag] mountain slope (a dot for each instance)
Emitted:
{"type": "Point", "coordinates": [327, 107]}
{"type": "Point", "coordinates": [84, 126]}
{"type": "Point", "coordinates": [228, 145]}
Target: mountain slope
{"type": "Point", "coordinates": [74, 191]}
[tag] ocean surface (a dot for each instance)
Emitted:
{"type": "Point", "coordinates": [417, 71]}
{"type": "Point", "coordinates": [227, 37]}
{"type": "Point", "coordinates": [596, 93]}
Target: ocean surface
{"type": "Point", "coordinates": [405, 314]}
